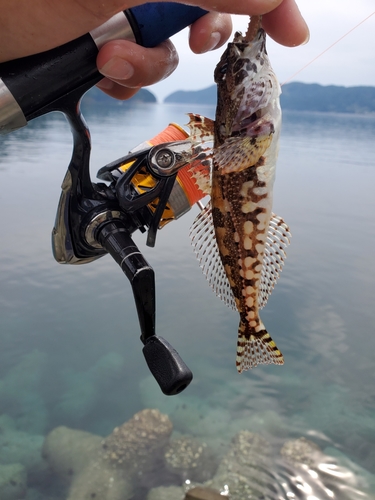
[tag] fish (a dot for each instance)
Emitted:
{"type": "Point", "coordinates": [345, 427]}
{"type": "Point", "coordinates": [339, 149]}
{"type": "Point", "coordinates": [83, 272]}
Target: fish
{"type": "Point", "coordinates": [239, 241]}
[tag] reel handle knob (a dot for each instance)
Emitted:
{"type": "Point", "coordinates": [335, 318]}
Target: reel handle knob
{"type": "Point", "coordinates": [166, 365]}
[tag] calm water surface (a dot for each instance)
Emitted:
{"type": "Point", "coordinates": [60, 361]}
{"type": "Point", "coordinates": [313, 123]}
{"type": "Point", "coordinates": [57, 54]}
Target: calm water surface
{"type": "Point", "coordinates": [70, 351]}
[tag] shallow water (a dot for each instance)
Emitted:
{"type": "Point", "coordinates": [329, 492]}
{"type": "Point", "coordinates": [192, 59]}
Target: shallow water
{"type": "Point", "coordinates": [70, 350]}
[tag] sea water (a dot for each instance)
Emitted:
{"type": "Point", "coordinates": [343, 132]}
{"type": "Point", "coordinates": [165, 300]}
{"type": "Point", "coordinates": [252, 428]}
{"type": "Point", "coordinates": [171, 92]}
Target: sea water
{"type": "Point", "coordinates": [69, 335]}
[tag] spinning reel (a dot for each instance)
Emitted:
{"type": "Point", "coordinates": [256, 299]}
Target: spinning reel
{"type": "Point", "coordinates": [144, 190]}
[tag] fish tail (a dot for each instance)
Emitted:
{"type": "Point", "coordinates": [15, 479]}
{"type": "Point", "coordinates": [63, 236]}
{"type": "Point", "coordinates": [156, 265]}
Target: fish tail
{"type": "Point", "coordinates": [255, 348]}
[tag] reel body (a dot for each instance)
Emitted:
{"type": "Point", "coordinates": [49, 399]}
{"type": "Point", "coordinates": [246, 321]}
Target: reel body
{"type": "Point", "coordinates": [144, 190]}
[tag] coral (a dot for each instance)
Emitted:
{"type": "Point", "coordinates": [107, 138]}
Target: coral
{"type": "Point", "coordinates": [110, 468]}
{"type": "Point", "coordinates": [189, 458]}
{"type": "Point", "coordinates": [12, 482]}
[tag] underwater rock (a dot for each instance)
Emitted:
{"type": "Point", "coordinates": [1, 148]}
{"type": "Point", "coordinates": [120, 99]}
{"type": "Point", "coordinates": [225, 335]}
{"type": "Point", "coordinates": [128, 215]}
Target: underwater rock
{"type": "Point", "coordinates": [306, 466]}
{"type": "Point", "coordinates": [110, 468]}
{"type": "Point", "coordinates": [83, 389]}
{"type": "Point", "coordinates": [13, 478]}
{"type": "Point", "coordinates": [189, 458]}
{"type": "Point", "coordinates": [138, 444]}
{"type": "Point", "coordinates": [76, 457]}
{"type": "Point", "coordinates": [353, 429]}
{"type": "Point", "coordinates": [22, 448]}
{"type": "Point", "coordinates": [177, 493]}
{"type": "Point", "coordinates": [19, 390]}
{"type": "Point", "coordinates": [301, 451]}
{"type": "Point", "coordinates": [243, 471]}
{"type": "Point", "coordinates": [166, 493]}
{"type": "Point", "coordinates": [365, 479]}
{"type": "Point", "coordinates": [203, 493]}
{"type": "Point", "coordinates": [268, 422]}
{"type": "Point", "coordinates": [190, 415]}
{"type": "Point", "coordinates": [67, 451]}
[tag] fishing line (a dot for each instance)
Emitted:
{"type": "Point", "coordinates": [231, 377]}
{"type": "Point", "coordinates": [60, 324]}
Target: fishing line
{"type": "Point", "coordinates": [327, 49]}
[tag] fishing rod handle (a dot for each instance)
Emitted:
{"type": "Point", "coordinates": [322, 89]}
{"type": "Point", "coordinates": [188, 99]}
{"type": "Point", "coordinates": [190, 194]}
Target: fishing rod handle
{"type": "Point", "coordinates": [32, 86]}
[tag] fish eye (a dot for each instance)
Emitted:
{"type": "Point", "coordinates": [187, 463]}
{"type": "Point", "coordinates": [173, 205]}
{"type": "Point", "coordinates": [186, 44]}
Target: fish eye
{"type": "Point", "coordinates": [223, 69]}
{"type": "Point", "coordinates": [220, 72]}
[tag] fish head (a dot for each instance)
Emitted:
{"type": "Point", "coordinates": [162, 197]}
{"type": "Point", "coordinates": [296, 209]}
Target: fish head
{"type": "Point", "coordinates": [247, 89]}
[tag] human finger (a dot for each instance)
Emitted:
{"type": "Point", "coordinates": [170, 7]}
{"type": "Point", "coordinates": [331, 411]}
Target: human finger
{"type": "Point", "coordinates": [286, 25]}
{"type": "Point", "coordinates": [210, 32]}
{"type": "Point", "coordinates": [128, 65]}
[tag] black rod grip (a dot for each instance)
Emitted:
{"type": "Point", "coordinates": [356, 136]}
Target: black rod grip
{"type": "Point", "coordinates": [39, 80]}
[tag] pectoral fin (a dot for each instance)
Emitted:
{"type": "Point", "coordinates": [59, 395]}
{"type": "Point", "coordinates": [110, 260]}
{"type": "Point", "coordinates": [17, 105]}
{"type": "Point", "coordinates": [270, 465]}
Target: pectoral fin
{"type": "Point", "coordinates": [239, 153]}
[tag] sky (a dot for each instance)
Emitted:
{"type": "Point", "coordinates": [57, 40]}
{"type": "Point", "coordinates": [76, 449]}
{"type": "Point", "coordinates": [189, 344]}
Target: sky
{"type": "Point", "coordinates": [351, 62]}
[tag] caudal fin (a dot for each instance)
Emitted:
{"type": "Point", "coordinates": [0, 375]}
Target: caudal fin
{"type": "Point", "coordinates": [256, 348]}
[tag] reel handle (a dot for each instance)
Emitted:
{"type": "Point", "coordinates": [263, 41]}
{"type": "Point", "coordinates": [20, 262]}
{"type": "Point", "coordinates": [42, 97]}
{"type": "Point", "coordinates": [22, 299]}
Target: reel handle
{"type": "Point", "coordinates": [115, 239]}
{"type": "Point", "coordinates": [164, 362]}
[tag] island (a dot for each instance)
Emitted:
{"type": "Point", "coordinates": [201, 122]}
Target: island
{"type": "Point", "coordinates": [299, 96]}
{"type": "Point", "coordinates": [97, 97]}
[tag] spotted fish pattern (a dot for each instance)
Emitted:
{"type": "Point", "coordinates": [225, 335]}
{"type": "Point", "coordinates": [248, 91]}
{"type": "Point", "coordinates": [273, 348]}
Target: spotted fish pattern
{"type": "Point", "coordinates": [249, 238]}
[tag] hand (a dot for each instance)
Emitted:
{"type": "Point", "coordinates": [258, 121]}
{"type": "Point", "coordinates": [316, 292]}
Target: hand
{"type": "Point", "coordinates": [31, 26]}
{"type": "Point", "coordinates": [128, 66]}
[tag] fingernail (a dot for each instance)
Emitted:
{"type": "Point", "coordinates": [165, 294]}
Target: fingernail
{"type": "Point", "coordinates": [212, 42]}
{"type": "Point", "coordinates": [105, 84]}
{"type": "Point", "coordinates": [307, 39]}
{"type": "Point", "coordinates": [117, 69]}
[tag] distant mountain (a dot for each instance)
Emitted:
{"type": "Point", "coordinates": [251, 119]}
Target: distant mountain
{"type": "Point", "coordinates": [205, 96]}
{"type": "Point", "coordinates": [314, 97]}
{"type": "Point", "coordinates": [96, 96]}
{"type": "Point", "coordinates": [299, 97]}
